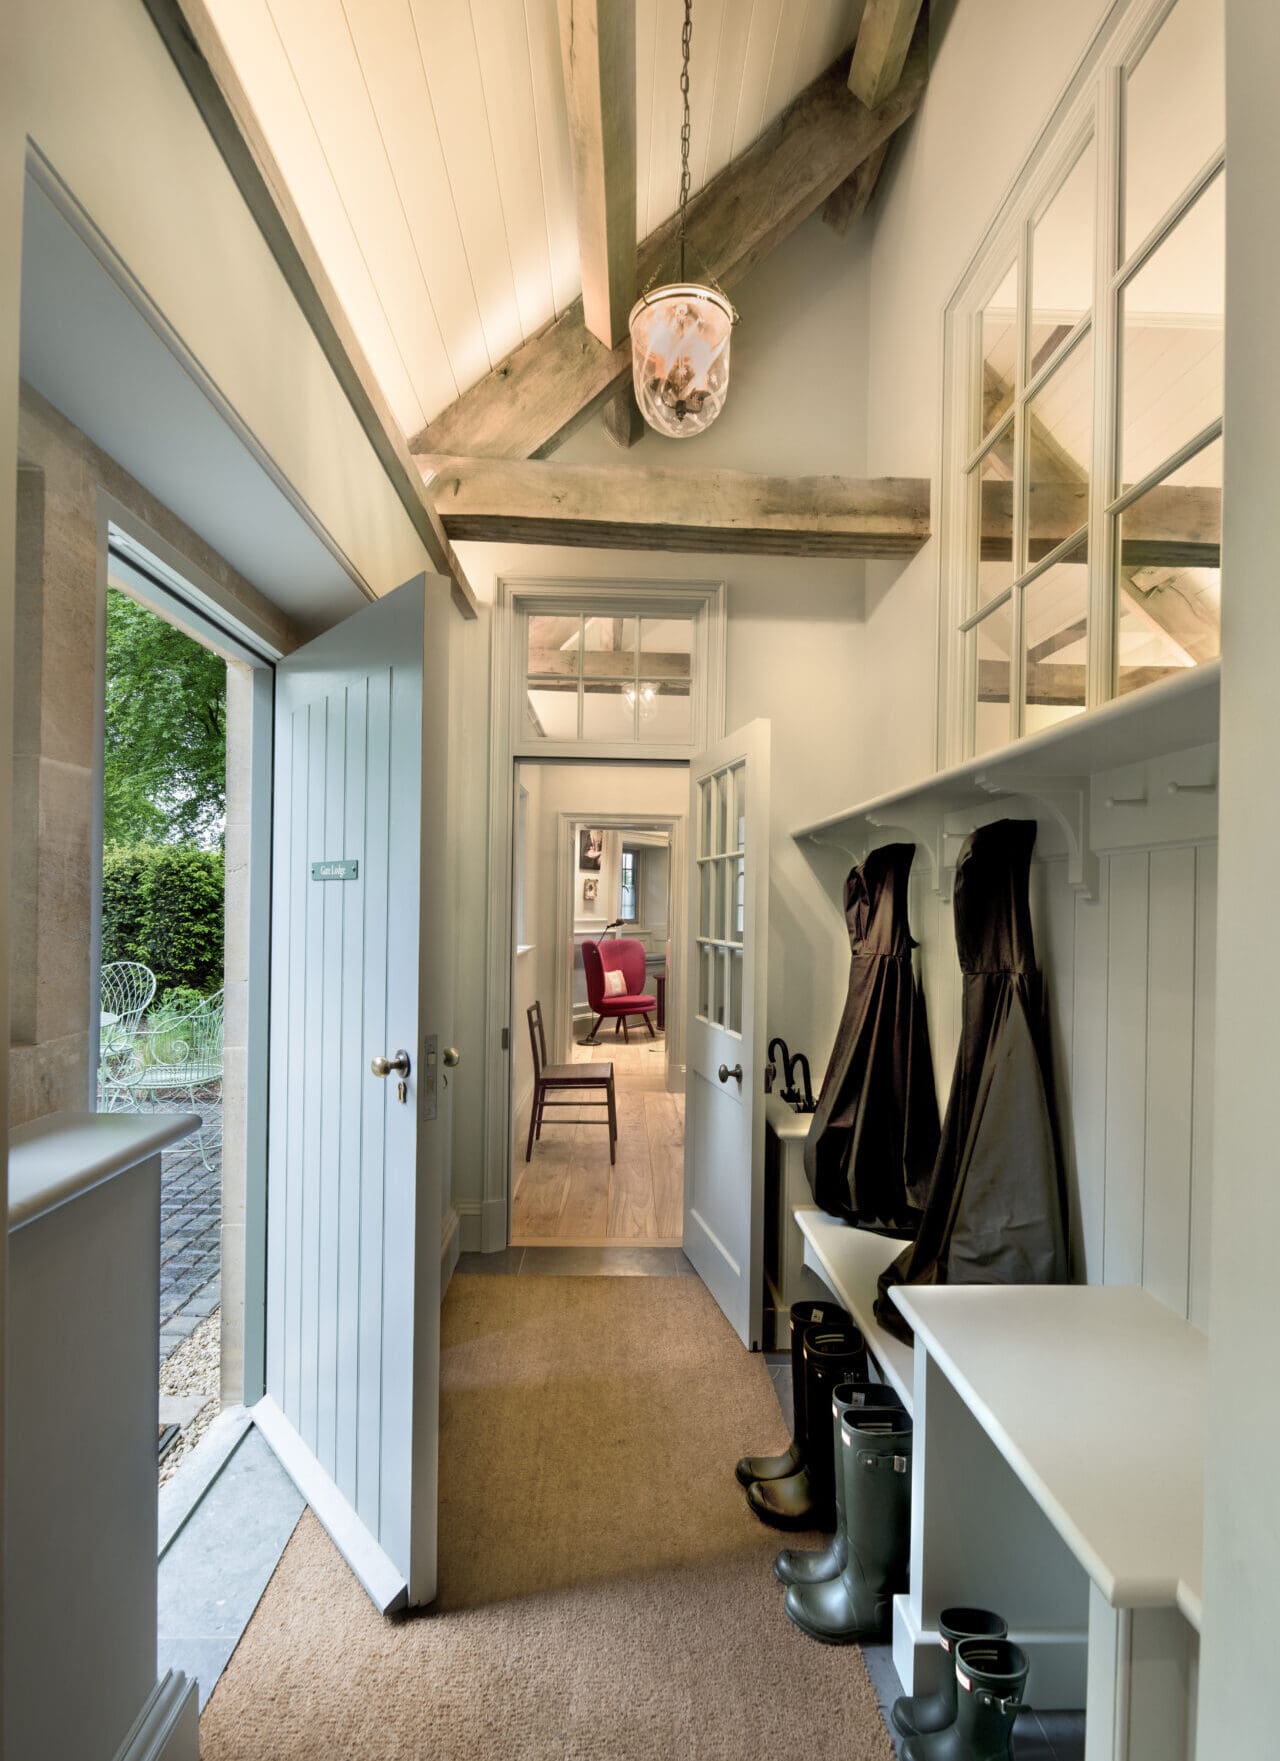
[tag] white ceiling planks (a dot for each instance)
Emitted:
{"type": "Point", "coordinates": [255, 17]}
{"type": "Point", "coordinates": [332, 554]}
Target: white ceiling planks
{"type": "Point", "coordinates": [425, 143]}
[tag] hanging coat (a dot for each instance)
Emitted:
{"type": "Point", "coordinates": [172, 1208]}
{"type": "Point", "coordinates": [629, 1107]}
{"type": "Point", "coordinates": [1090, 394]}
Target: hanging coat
{"type": "Point", "coordinates": [996, 1209]}
{"type": "Point", "coordinates": [873, 1139]}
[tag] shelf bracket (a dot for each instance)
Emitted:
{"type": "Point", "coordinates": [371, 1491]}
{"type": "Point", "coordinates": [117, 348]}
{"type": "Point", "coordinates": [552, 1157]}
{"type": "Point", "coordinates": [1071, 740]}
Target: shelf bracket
{"type": "Point", "coordinates": [923, 828]}
{"type": "Point", "coordinates": [1066, 801]}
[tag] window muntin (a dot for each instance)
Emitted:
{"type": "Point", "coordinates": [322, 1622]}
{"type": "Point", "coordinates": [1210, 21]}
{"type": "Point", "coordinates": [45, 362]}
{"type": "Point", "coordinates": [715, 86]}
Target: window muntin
{"type": "Point", "coordinates": [610, 680]}
{"type": "Point", "coordinates": [1096, 386]}
{"type": "Point", "coordinates": [629, 886]}
{"type": "Point", "coordinates": [721, 861]}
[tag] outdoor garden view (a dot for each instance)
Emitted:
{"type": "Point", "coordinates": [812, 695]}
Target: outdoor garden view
{"type": "Point", "coordinates": [164, 810]}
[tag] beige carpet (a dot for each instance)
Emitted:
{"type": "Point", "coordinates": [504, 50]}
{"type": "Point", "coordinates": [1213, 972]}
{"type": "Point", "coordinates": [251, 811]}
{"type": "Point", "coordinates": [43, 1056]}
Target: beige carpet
{"type": "Point", "coordinates": [605, 1594]}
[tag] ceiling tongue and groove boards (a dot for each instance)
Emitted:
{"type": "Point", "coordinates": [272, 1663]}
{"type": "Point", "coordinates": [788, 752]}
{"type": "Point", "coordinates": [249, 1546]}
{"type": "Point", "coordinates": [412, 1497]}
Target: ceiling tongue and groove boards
{"type": "Point", "coordinates": [546, 387]}
{"type": "Point", "coordinates": [522, 501]}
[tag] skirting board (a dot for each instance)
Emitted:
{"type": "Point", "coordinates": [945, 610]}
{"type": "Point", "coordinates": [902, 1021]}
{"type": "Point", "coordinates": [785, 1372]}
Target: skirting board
{"type": "Point", "coordinates": [381, 1577]}
{"type": "Point", "coordinates": [1059, 1661]}
{"type": "Point", "coordinates": [168, 1726]}
{"type": "Point", "coordinates": [450, 1248]}
{"type": "Point", "coordinates": [484, 1225]}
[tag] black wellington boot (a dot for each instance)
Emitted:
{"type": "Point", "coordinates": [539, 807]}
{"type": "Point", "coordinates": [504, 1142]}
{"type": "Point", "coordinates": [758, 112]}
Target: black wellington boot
{"type": "Point", "coordinates": [876, 1463]}
{"type": "Point", "coordinates": [806, 1499]}
{"type": "Point", "coordinates": [801, 1565]}
{"type": "Point", "coordinates": [918, 1714]}
{"type": "Point", "coordinates": [991, 1677]}
{"type": "Point", "coordinates": [776, 1467]}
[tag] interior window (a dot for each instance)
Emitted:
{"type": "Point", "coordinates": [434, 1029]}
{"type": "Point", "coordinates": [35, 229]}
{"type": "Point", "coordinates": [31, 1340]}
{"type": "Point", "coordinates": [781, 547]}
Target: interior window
{"type": "Point", "coordinates": [1095, 357]}
{"type": "Point", "coordinates": [610, 680]}
{"type": "Point", "coordinates": [629, 887]}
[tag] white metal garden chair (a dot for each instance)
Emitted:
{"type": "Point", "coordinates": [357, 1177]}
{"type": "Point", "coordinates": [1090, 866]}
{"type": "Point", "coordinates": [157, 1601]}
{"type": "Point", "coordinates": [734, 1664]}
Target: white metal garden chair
{"type": "Point", "coordinates": [179, 1059]}
{"type": "Point", "coordinates": [126, 988]}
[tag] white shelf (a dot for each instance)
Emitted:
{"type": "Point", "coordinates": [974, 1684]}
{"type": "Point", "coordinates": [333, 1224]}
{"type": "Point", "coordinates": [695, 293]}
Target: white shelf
{"type": "Point", "coordinates": [849, 1261]}
{"type": "Point", "coordinates": [1095, 1396]}
{"type": "Point", "coordinates": [1171, 716]}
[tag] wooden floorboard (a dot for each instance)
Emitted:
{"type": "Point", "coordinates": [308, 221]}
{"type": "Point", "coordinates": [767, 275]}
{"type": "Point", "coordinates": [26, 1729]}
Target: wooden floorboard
{"type": "Point", "coordinates": [569, 1195]}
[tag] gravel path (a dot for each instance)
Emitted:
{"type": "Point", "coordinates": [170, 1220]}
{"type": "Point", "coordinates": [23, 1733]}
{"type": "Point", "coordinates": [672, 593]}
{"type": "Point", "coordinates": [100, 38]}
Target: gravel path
{"type": "Point", "coordinates": [191, 1371]}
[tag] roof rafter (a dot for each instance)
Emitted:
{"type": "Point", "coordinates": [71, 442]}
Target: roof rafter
{"type": "Point", "coordinates": [527, 404]}
{"type": "Point", "coordinates": [598, 51]}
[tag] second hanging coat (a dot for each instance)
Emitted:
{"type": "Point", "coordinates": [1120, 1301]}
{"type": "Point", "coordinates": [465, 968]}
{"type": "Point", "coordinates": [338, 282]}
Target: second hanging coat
{"type": "Point", "coordinates": [996, 1211]}
{"type": "Point", "coordinates": [873, 1138]}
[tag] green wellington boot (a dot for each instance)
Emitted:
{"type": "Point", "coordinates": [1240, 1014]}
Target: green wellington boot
{"type": "Point", "coordinates": [876, 1465]}
{"type": "Point", "coordinates": [807, 1498]}
{"type": "Point", "coordinates": [991, 1677]}
{"type": "Point", "coordinates": [802, 1565]}
{"type": "Point", "coordinates": [777, 1467]}
{"type": "Point", "coordinates": [918, 1714]}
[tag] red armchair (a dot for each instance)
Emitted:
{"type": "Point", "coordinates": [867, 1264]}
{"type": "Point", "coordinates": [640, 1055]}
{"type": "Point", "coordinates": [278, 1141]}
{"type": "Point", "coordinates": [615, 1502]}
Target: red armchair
{"type": "Point", "coordinates": [625, 955]}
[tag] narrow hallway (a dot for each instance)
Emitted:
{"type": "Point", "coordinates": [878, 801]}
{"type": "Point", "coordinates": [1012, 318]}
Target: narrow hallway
{"type": "Point", "coordinates": [605, 1594]}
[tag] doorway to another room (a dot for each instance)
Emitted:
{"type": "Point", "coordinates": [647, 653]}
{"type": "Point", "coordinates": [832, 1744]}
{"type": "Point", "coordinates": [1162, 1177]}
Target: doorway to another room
{"type": "Point", "coordinates": [597, 1067]}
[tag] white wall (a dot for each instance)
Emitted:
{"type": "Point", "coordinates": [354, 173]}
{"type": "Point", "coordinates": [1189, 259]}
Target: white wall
{"type": "Point", "coordinates": [1242, 1528]}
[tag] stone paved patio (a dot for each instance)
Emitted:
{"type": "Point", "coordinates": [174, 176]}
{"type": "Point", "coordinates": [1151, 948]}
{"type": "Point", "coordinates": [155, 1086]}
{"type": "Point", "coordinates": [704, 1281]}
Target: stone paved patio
{"type": "Point", "coordinates": [190, 1234]}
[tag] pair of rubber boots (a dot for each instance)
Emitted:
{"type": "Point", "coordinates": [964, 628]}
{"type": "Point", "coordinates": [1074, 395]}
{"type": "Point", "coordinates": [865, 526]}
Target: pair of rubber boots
{"type": "Point", "coordinates": [971, 1716]}
{"type": "Point", "coordinates": [845, 1591]}
{"type": "Point", "coordinates": [796, 1490]}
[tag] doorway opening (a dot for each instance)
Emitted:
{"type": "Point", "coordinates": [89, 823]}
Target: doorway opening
{"type": "Point", "coordinates": [597, 987]}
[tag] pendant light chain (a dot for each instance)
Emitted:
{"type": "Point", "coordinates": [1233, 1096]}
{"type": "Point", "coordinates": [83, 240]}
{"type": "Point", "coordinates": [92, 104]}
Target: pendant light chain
{"type": "Point", "coordinates": [685, 126]}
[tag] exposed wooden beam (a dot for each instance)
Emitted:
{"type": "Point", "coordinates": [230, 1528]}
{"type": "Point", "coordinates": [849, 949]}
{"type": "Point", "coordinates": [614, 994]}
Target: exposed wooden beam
{"type": "Point", "coordinates": [1172, 526]}
{"type": "Point", "coordinates": [1059, 687]}
{"type": "Point", "coordinates": [623, 422]}
{"type": "Point", "coordinates": [667, 508]}
{"type": "Point", "coordinates": [851, 201]}
{"type": "Point", "coordinates": [539, 394]}
{"type": "Point", "coordinates": [188, 33]}
{"type": "Point", "coordinates": [598, 52]}
{"type": "Point", "coordinates": [562, 663]}
{"type": "Point", "coordinates": [884, 37]}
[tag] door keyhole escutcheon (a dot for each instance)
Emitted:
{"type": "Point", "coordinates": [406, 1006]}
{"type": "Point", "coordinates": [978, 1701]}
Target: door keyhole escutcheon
{"type": "Point", "coordinates": [724, 1073]}
{"type": "Point", "coordinates": [399, 1063]}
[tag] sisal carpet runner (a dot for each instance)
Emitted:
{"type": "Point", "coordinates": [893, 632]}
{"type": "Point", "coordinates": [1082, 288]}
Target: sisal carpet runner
{"type": "Point", "coordinates": [605, 1594]}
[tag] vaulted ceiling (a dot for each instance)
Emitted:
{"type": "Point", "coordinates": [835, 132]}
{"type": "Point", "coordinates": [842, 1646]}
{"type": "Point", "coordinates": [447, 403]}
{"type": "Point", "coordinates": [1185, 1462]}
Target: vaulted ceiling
{"type": "Point", "coordinates": [426, 146]}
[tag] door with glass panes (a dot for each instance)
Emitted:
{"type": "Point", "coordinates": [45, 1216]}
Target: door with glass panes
{"type": "Point", "coordinates": [727, 1035]}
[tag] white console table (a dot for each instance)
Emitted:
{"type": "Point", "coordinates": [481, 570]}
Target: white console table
{"type": "Point", "coordinates": [80, 1446]}
{"type": "Point", "coordinates": [1058, 1475]}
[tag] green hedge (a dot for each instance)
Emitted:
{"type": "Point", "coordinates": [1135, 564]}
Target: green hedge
{"type": "Point", "coordinates": [162, 904]}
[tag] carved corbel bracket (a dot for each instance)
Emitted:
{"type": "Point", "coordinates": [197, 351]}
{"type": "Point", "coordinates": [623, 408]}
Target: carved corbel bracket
{"type": "Point", "coordinates": [1066, 801]}
{"type": "Point", "coordinates": [921, 827]}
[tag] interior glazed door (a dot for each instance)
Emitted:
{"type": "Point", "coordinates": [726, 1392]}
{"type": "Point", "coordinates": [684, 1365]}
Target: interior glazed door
{"type": "Point", "coordinates": [725, 1055]}
{"type": "Point", "coordinates": [357, 1161]}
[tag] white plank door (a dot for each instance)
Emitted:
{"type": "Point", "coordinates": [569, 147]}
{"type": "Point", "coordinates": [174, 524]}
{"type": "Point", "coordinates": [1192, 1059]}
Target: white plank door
{"type": "Point", "coordinates": [728, 954]}
{"type": "Point", "coordinates": [357, 1164]}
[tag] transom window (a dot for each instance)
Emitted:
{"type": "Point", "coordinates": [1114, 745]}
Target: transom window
{"type": "Point", "coordinates": [610, 679]}
{"type": "Point", "coordinates": [1086, 348]}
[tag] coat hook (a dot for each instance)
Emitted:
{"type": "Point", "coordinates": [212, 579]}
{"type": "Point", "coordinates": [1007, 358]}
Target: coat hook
{"type": "Point", "coordinates": [1194, 788]}
{"type": "Point", "coordinates": [1126, 800]}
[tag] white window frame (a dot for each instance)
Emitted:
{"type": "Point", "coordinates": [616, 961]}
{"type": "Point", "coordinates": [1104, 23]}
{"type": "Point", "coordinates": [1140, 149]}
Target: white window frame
{"type": "Point", "coordinates": [1091, 108]}
{"type": "Point", "coordinates": [702, 603]}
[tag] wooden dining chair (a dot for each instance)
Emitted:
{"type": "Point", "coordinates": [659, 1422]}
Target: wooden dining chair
{"type": "Point", "coordinates": [554, 1078]}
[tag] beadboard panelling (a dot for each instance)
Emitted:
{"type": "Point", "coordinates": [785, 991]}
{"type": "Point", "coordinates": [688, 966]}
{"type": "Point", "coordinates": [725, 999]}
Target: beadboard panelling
{"type": "Point", "coordinates": [427, 149]}
{"type": "Point", "coordinates": [1129, 979]}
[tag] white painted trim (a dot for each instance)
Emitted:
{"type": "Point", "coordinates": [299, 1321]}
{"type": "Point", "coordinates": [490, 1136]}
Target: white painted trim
{"type": "Point", "coordinates": [503, 669]}
{"type": "Point", "coordinates": [167, 1728]}
{"type": "Point", "coordinates": [381, 1577]}
{"type": "Point", "coordinates": [450, 1248]}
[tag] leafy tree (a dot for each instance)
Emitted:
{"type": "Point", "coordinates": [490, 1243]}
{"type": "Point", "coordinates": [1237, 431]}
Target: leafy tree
{"type": "Point", "coordinates": [163, 904]}
{"type": "Point", "coordinates": [165, 773]}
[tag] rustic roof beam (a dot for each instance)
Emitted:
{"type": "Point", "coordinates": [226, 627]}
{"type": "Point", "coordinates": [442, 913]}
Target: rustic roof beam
{"type": "Point", "coordinates": [667, 508]}
{"type": "Point", "coordinates": [598, 52]}
{"type": "Point", "coordinates": [880, 52]}
{"type": "Point", "coordinates": [554, 381]}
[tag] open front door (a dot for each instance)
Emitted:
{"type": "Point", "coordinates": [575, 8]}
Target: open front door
{"type": "Point", "coordinates": [725, 1046]}
{"type": "Point", "coordinates": [357, 1161]}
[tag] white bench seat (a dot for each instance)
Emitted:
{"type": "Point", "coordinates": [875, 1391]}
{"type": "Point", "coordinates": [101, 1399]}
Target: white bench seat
{"type": "Point", "coordinates": [849, 1261]}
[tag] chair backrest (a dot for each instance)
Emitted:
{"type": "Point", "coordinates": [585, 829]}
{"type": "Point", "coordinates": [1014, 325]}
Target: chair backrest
{"type": "Point", "coordinates": [537, 1038]}
{"type": "Point", "coordinates": [593, 966]}
{"type": "Point", "coordinates": [625, 955]}
{"type": "Point", "coordinates": [126, 989]}
{"type": "Point", "coordinates": [191, 1042]}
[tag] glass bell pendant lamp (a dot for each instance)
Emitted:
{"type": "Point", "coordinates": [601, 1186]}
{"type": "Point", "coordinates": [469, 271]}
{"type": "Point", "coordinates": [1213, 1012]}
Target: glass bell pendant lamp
{"type": "Point", "coordinates": [680, 333]}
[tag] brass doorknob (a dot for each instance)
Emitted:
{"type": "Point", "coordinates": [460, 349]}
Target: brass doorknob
{"type": "Point", "coordinates": [451, 1057]}
{"type": "Point", "coordinates": [385, 1066]}
{"type": "Point", "coordinates": [724, 1073]}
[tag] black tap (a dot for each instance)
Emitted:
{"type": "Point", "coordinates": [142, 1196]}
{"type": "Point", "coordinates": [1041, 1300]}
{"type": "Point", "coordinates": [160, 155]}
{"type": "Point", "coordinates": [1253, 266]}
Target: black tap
{"type": "Point", "coordinates": [787, 1093]}
{"type": "Point", "coordinates": [808, 1104]}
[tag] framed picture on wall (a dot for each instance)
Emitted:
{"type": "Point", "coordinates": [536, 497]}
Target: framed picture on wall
{"type": "Point", "coordinates": [590, 890]}
{"type": "Point", "coordinates": [590, 850]}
